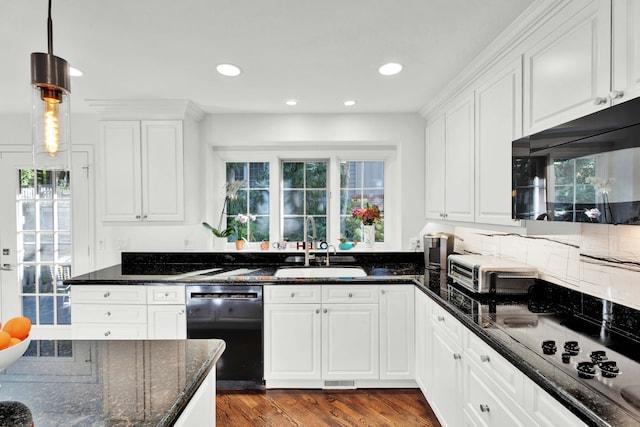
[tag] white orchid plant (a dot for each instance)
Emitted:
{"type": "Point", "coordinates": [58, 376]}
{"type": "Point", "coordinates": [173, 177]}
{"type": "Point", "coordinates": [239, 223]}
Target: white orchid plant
{"type": "Point", "coordinates": [231, 193]}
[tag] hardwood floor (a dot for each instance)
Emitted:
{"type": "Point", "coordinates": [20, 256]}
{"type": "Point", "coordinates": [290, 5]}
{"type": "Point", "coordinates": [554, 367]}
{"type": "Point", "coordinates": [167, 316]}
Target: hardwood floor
{"type": "Point", "coordinates": [311, 408]}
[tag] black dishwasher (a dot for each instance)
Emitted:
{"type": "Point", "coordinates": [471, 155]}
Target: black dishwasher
{"type": "Point", "coordinates": [232, 313]}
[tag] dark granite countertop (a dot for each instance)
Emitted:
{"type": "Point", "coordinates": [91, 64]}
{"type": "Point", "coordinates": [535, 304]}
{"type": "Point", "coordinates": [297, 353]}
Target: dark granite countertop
{"type": "Point", "coordinates": [109, 383]}
{"type": "Point", "coordinates": [580, 396]}
{"type": "Point", "coordinates": [179, 268]}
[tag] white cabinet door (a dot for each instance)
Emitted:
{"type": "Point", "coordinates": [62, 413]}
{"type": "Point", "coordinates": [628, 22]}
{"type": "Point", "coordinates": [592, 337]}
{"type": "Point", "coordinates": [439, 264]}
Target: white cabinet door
{"type": "Point", "coordinates": [167, 321]}
{"type": "Point", "coordinates": [434, 168]}
{"type": "Point", "coordinates": [567, 71]}
{"type": "Point", "coordinates": [350, 342]}
{"type": "Point", "coordinates": [397, 341]}
{"type": "Point", "coordinates": [142, 170]}
{"type": "Point", "coordinates": [459, 165]}
{"type": "Point", "coordinates": [446, 372]}
{"type": "Point", "coordinates": [545, 410]}
{"type": "Point", "coordinates": [121, 173]}
{"type": "Point", "coordinates": [292, 341]}
{"type": "Point", "coordinates": [162, 171]}
{"type": "Point", "coordinates": [626, 50]}
{"type": "Point", "coordinates": [498, 122]}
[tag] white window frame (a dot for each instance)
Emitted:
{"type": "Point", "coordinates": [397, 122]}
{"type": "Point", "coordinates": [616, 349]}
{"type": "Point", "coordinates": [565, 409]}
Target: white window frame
{"type": "Point", "coordinates": [334, 153]}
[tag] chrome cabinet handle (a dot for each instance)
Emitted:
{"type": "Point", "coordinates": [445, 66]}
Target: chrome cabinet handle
{"type": "Point", "coordinates": [382, 292]}
{"type": "Point", "coordinates": [144, 216]}
{"type": "Point", "coordinates": [107, 314]}
{"type": "Point", "coordinates": [317, 310]}
{"type": "Point", "coordinates": [484, 358]}
{"type": "Point", "coordinates": [324, 311]}
{"type": "Point", "coordinates": [616, 94]}
{"type": "Point", "coordinates": [138, 216]}
{"type": "Point", "coordinates": [484, 408]}
{"type": "Point", "coordinates": [599, 100]}
{"type": "Point", "coordinates": [440, 318]}
{"type": "Point", "coordinates": [457, 356]}
{"type": "Point", "coordinates": [181, 311]}
{"type": "Point", "coordinates": [106, 334]}
{"type": "Point", "coordinates": [350, 294]}
{"type": "Point", "coordinates": [293, 294]}
{"type": "Point", "coordinates": [107, 294]}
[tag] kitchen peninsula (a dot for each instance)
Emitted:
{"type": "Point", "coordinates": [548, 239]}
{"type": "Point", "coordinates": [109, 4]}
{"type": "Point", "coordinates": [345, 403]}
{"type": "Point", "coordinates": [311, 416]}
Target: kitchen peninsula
{"type": "Point", "coordinates": [134, 382]}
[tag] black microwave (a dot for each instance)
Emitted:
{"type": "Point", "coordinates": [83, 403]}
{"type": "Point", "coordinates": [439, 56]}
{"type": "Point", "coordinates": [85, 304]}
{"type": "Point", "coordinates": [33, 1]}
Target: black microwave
{"type": "Point", "coordinates": [586, 170]}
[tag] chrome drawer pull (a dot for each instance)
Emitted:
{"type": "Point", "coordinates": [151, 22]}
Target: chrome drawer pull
{"type": "Point", "coordinates": [457, 356]}
{"type": "Point", "coordinates": [484, 408]}
{"type": "Point", "coordinates": [106, 334]}
{"type": "Point", "coordinates": [440, 318]}
{"type": "Point", "coordinates": [107, 294]}
{"type": "Point", "coordinates": [484, 358]}
{"type": "Point", "coordinates": [107, 314]}
{"type": "Point", "coordinates": [292, 294]}
{"type": "Point", "coordinates": [350, 294]}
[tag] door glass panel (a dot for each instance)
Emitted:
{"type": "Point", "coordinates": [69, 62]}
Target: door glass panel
{"type": "Point", "coordinates": [44, 245]}
{"type": "Point", "coordinates": [361, 185]}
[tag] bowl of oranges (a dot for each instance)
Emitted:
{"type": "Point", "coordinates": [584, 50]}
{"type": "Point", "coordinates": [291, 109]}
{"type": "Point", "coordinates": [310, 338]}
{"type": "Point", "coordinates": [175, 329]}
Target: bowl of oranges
{"type": "Point", "coordinates": [14, 340]}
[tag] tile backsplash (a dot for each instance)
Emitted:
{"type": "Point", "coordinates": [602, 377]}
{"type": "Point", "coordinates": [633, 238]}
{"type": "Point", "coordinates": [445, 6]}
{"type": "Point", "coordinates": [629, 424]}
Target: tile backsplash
{"type": "Point", "coordinates": [603, 260]}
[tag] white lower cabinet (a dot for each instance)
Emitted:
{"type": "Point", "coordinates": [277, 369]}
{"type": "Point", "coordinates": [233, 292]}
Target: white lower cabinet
{"type": "Point", "coordinates": [128, 312]}
{"type": "Point", "coordinates": [467, 383]}
{"type": "Point", "coordinates": [336, 335]}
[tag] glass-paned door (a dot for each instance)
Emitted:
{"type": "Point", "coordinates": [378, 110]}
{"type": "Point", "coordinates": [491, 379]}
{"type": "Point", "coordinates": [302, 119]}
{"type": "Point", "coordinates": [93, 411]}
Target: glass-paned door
{"type": "Point", "coordinates": [43, 205]}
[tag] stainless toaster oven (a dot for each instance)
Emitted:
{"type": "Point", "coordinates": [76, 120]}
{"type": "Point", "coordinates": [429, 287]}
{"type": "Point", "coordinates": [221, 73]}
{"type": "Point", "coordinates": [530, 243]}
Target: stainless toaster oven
{"type": "Point", "coordinates": [488, 274]}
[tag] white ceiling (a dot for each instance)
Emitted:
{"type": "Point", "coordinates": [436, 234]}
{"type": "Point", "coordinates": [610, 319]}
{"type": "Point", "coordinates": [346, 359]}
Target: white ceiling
{"type": "Point", "coordinates": [320, 52]}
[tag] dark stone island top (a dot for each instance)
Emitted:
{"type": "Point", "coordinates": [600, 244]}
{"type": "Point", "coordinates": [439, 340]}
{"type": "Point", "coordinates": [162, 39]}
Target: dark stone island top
{"type": "Point", "coordinates": [108, 383]}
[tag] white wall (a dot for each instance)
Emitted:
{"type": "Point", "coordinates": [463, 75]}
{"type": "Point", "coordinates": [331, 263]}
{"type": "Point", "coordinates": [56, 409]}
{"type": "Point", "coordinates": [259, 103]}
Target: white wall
{"type": "Point", "coordinates": [405, 131]}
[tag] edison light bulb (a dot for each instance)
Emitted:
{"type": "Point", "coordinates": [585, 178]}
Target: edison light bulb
{"type": "Point", "coordinates": [51, 126]}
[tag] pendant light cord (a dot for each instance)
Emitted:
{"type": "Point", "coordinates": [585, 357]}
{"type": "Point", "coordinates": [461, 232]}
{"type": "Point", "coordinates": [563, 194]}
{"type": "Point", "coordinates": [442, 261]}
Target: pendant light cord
{"type": "Point", "coordinates": [50, 31]}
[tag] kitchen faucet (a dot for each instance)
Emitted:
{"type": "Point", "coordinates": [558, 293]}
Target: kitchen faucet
{"type": "Point", "coordinates": [326, 261]}
{"type": "Point", "coordinates": [307, 255]}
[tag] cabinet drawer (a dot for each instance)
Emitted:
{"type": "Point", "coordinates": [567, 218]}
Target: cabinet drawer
{"type": "Point", "coordinates": [108, 294]}
{"type": "Point", "coordinates": [166, 295]}
{"type": "Point", "coordinates": [350, 294]}
{"type": "Point", "coordinates": [292, 294]}
{"type": "Point", "coordinates": [108, 331]}
{"type": "Point", "coordinates": [108, 313]}
{"type": "Point", "coordinates": [507, 377]}
{"type": "Point", "coordinates": [446, 323]}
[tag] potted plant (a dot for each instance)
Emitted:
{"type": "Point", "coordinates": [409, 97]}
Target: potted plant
{"type": "Point", "coordinates": [222, 234]}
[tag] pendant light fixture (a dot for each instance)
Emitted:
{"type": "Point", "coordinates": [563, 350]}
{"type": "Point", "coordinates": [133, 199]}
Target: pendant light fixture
{"type": "Point", "coordinates": [50, 81]}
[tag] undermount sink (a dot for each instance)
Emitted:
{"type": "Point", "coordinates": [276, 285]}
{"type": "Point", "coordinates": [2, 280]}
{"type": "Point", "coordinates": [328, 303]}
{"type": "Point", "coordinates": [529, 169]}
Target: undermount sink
{"type": "Point", "coordinates": [308, 272]}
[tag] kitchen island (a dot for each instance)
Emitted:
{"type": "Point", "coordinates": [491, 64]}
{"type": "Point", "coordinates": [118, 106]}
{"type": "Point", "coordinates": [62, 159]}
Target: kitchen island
{"type": "Point", "coordinates": [116, 383]}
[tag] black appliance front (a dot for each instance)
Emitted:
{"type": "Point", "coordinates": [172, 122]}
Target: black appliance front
{"type": "Point", "coordinates": [232, 313]}
{"type": "Point", "coordinates": [581, 171]}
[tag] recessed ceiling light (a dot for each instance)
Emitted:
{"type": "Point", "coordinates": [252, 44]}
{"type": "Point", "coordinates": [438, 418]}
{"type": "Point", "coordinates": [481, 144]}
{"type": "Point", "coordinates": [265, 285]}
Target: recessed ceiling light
{"type": "Point", "coordinates": [74, 72]}
{"type": "Point", "coordinates": [228, 70]}
{"type": "Point", "coordinates": [349, 103]}
{"type": "Point", "coordinates": [291, 102]}
{"type": "Point", "coordinates": [390, 69]}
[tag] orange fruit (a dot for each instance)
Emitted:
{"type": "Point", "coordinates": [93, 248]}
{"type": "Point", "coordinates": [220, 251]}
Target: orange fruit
{"type": "Point", "coordinates": [14, 341]}
{"type": "Point", "coordinates": [5, 340]}
{"type": "Point", "coordinates": [18, 327]}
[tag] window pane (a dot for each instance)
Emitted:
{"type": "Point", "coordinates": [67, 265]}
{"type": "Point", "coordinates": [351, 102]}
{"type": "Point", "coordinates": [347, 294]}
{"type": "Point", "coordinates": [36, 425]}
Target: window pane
{"type": "Point", "coordinates": [293, 174]}
{"type": "Point", "coordinates": [374, 197]}
{"type": "Point", "coordinates": [373, 174]}
{"type": "Point", "coordinates": [293, 202]}
{"type": "Point", "coordinates": [46, 310]}
{"type": "Point", "coordinates": [63, 214]}
{"type": "Point", "coordinates": [28, 247]}
{"type": "Point", "coordinates": [47, 348]}
{"type": "Point", "coordinates": [321, 228]}
{"type": "Point", "coordinates": [316, 202]}
{"type": "Point", "coordinates": [64, 310]}
{"type": "Point", "coordinates": [46, 247]}
{"type": "Point", "coordinates": [27, 211]}
{"type": "Point", "coordinates": [29, 308]}
{"type": "Point", "coordinates": [45, 281]}
{"type": "Point", "coordinates": [63, 190]}
{"type": "Point", "coordinates": [65, 348]}
{"type": "Point", "coordinates": [259, 175]}
{"type": "Point", "coordinates": [236, 171]}
{"type": "Point", "coordinates": [64, 247]}
{"type": "Point", "coordinates": [261, 229]}
{"type": "Point", "coordinates": [28, 279]}
{"type": "Point", "coordinates": [27, 183]}
{"type": "Point", "coordinates": [293, 229]}
{"type": "Point", "coordinates": [259, 202]}
{"type": "Point", "coordinates": [45, 184]}
{"type": "Point", "coordinates": [316, 174]}
{"type": "Point", "coordinates": [239, 204]}
{"type": "Point", "coordinates": [46, 215]}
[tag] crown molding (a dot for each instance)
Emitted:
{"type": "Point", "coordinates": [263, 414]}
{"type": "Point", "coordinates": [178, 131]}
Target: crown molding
{"type": "Point", "coordinates": [502, 47]}
{"type": "Point", "coordinates": [145, 109]}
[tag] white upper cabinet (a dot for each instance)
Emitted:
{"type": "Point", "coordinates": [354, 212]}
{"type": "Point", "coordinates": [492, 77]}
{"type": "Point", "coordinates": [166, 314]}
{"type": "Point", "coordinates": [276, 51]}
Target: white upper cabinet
{"type": "Point", "coordinates": [567, 73]}
{"type": "Point", "coordinates": [498, 122]}
{"type": "Point", "coordinates": [142, 170]}
{"type": "Point", "coordinates": [449, 163]}
{"type": "Point", "coordinates": [626, 50]}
